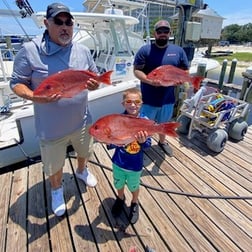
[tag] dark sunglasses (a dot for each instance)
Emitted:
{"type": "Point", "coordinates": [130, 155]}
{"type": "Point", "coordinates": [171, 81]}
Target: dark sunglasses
{"type": "Point", "coordinates": [160, 31]}
{"type": "Point", "coordinates": [59, 22]}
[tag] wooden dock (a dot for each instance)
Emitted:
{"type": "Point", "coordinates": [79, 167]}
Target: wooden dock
{"type": "Point", "coordinates": [194, 201]}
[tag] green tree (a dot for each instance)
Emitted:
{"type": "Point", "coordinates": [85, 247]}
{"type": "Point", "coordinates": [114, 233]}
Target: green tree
{"type": "Point", "coordinates": [237, 33]}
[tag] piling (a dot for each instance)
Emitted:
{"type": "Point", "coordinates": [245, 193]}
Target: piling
{"type": "Point", "coordinates": [222, 74]}
{"type": "Point", "coordinates": [232, 71]}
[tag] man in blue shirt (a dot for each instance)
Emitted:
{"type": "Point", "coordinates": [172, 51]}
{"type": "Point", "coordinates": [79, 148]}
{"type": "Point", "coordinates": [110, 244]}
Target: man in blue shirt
{"type": "Point", "coordinates": [158, 101]}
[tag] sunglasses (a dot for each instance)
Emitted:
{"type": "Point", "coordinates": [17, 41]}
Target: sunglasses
{"type": "Point", "coordinates": [59, 22]}
{"type": "Point", "coordinates": [164, 31]}
{"type": "Point", "coordinates": [136, 102]}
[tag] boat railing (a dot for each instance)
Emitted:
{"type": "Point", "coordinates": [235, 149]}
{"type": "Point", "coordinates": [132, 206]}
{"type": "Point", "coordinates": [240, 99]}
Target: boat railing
{"type": "Point", "coordinates": [2, 68]}
{"type": "Point", "coordinates": [5, 108]}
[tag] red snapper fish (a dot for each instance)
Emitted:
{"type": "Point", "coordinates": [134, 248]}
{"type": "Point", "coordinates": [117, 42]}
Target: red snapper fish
{"type": "Point", "coordinates": [69, 83]}
{"type": "Point", "coordinates": [120, 129]}
{"type": "Point", "coordinates": [171, 76]}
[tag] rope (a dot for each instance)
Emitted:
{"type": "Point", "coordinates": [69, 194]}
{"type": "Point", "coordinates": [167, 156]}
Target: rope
{"type": "Point", "coordinates": [200, 196]}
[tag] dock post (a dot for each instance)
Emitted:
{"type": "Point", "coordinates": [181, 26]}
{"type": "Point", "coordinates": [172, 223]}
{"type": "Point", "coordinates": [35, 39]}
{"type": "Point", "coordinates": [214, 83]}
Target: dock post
{"type": "Point", "coordinates": [222, 74]}
{"type": "Point", "coordinates": [232, 71]}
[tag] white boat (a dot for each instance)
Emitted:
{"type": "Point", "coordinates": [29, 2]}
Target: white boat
{"type": "Point", "coordinates": [17, 135]}
{"type": "Point", "coordinates": [113, 43]}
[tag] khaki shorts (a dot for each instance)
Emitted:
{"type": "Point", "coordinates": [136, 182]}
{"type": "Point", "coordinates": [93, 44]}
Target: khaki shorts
{"type": "Point", "coordinates": [53, 152]}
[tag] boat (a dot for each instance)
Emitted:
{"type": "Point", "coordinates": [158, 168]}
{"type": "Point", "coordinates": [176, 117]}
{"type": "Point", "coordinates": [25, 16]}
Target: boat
{"type": "Point", "coordinates": [113, 43]}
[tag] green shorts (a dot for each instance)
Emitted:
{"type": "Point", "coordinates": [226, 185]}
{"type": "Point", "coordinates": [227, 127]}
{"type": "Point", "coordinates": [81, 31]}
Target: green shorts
{"type": "Point", "coordinates": [53, 152]}
{"type": "Point", "coordinates": [123, 177]}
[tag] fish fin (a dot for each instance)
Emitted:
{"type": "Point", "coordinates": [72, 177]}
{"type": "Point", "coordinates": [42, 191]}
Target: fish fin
{"type": "Point", "coordinates": [105, 77]}
{"type": "Point", "coordinates": [169, 128]}
{"type": "Point", "coordinates": [196, 80]}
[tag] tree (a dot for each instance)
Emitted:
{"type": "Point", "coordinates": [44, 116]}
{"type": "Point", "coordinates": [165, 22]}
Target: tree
{"type": "Point", "coordinates": [237, 33]}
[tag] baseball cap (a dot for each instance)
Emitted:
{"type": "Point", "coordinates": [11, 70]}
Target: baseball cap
{"type": "Point", "coordinates": [56, 8]}
{"type": "Point", "coordinates": [162, 24]}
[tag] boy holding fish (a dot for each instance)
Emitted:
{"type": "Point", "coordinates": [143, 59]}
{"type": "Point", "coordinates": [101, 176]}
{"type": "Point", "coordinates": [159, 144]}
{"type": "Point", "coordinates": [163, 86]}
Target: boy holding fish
{"type": "Point", "coordinates": [158, 98]}
{"type": "Point", "coordinates": [128, 160]}
{"type": "Point", "coordinates": [59, 121]}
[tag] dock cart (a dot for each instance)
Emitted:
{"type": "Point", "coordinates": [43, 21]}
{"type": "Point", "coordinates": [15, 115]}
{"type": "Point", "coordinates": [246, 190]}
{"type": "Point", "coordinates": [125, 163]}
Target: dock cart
{"type": "Point", "coordinates": [215, 115]}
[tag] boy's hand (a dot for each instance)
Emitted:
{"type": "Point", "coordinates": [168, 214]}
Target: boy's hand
{"type": "Point", "coordinates": [141, 136]}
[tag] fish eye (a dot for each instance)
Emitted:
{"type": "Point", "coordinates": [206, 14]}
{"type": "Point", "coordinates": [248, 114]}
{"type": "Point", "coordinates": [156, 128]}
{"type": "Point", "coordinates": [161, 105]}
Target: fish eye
{"type": "Point", "coordinates": [48, 87]}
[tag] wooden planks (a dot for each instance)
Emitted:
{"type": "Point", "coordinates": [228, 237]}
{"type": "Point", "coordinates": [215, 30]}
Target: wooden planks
{"type": "Point", "coordinates": [192, 201]}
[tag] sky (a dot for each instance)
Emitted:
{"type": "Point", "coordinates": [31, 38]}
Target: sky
{"type": "Point", "coordinates": [10, 26]}
{"type": "Point", "coordinates": [233, 12]}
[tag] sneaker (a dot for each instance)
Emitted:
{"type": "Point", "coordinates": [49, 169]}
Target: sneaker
{"type": "Point", "coordinates": [166, 148]}
{"type": "Point", "coordinates": [58, 202]}
{"type": "Point", "coordinates": [117, 207]}
{"type": "Point", "coordinates": [88, 178]}
{"type": "Point", "coordinates": [134, 213]}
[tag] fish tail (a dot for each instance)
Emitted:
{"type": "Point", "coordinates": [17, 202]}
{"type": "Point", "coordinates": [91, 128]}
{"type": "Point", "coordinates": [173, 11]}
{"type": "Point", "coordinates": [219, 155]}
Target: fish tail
{"type": "Point", "coordinates": [196, 80]}
{"type": "Point", "coordinates": [169, 128]}
{"type": "Point", "coordinates": [105, 77]}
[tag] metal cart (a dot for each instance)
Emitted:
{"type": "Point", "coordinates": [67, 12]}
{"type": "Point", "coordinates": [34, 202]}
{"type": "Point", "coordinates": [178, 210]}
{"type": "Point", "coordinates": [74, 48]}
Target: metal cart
{"type": "Point", "coordinates": [216, 116]}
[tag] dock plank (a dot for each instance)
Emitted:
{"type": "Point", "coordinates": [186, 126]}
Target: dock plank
{"type": "Point", "coordinates": [17, 236]}
{"type": "Point", "coordinates": [37, 233]}
{"type": "Point", "coordinates": [6, 183]}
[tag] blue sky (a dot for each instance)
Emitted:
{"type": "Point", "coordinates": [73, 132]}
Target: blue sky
{"type": "Point", "coordinates": [9, 25]}
{"type": "Point", "coordinates": [238, 12]}
{"type": "Point", "coordinates": [234, 11]}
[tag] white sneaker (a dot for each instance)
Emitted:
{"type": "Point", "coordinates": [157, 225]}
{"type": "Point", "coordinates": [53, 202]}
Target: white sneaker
{"type": "Point", "coordinates": [58, 202]}
{"type": "Point", "coordinates": [88, 178]}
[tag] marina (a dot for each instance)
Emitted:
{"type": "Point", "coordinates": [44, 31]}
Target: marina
{"type": "Point", "coordinates": [198, 200]}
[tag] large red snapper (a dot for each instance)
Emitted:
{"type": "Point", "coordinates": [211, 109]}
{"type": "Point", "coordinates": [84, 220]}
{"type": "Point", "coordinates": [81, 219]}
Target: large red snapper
{"type": "Point", "coordinates": [69, 83]}
{"type": "Point", "coordinates": [121, 129]}
{"type": "Point", "coordinates": [170, 76]}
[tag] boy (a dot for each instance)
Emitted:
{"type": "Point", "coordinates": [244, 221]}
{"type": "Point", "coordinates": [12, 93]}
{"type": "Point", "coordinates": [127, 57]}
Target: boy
{"type": "Point", "coordinates": [128, 160]}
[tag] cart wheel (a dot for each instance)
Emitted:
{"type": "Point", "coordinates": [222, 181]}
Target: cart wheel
{"type": "Point", "coordinates": [184, 124]}
{"type": "Point", "coordinates": [237, 129]}
{"type": "Point", "coordinates": [216, 140]}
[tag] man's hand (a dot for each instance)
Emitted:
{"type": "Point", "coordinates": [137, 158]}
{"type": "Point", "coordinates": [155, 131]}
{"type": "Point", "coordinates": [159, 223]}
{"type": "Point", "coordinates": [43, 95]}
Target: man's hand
{"type": "Point", "coordinates": [47, 99]}
{"type": "Point", "coordinates": [92, 84]}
